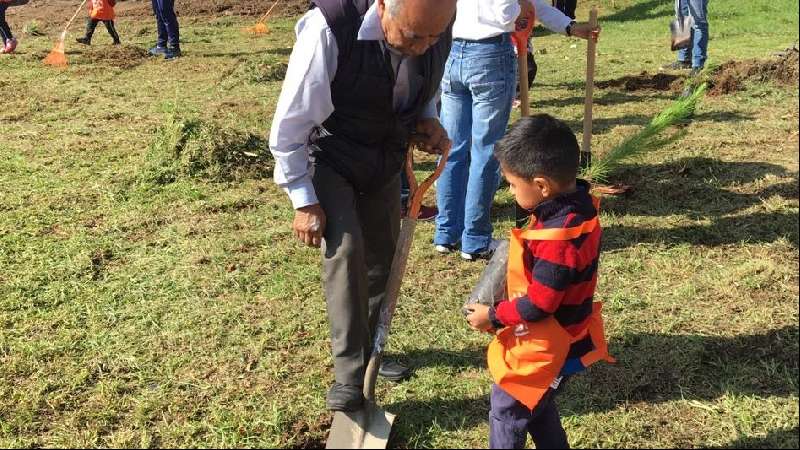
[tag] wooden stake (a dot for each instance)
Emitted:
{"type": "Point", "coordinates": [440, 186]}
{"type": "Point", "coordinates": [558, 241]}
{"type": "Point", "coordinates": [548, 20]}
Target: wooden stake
{"type": "Point", "coordinates": [586, 149]}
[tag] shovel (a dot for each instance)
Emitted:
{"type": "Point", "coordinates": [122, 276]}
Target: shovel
{"type": "Point", "coordinates": [370, 427]}
{"type": "Point", "coordinates": [681, 29]}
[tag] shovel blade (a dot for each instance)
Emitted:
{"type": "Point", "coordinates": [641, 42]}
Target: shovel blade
{"type": "Point", "coordinates": [367, 428]}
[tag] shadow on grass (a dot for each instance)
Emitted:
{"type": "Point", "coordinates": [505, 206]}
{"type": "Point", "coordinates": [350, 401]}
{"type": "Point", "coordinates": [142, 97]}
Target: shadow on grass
{"type": "Point", "coordinates": [702, 189]}
{"type": "Point", "coordinates": [785, 438]}
{"type": "Point", "coordinates": [641, 11]}
{"type": "Point", "coordinates": [652, 368]}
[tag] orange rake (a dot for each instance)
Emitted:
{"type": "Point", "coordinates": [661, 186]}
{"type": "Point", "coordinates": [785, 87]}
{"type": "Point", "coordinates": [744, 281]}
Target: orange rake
{"type": "Point", "coordinates": [56, 57]}
{"type": "Point", "coordinates": [261, 26]}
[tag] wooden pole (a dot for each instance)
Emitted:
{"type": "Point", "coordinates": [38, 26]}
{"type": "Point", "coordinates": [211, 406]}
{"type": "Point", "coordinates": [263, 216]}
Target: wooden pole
{"type": "Point", "coordinates": [524, 88]}
{"type": "Point", "coordinates": [586, 149]}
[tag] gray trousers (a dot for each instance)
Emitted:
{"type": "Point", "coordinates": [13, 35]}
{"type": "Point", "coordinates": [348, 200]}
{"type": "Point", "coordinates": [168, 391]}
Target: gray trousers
{"type": "Point", "coordinates": [358, 247]}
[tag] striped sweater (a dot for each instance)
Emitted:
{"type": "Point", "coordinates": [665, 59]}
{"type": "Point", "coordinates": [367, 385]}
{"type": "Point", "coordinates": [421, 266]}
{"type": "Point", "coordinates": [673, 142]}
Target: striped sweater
{"type": "Point", "coordinates": [562, 275]}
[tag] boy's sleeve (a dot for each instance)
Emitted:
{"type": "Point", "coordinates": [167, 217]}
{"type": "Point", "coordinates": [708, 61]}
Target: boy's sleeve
{"type": "Point", "coordinates": [551, 275]}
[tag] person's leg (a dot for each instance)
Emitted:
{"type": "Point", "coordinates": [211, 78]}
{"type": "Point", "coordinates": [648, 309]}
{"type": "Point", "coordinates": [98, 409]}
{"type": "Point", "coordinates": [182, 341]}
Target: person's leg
{"type": "Point", "coordinates": [699, 12]}
{"type": "Point", "coordinates": [160, 24]}
{"type": "Point", "coordinates": [171, 23]}
{"type": "Point", "coordinates": [684, 54]}
{"type": "Point", "coordinates": [5, 30]}
{"type": "Point", "coordinates": [344, 275]}
{"type": "Point", "coordinates": [379, 215]}
{"type": "Point", "coordinates": [508, 421]}
{"type": "Point", "coordinates": [545, 428]}
{"type": "Point", "coordinates": [112, 30]}
{"type": "Point", "coordinates": [91, 25]}
{"type": "Point", "coordinates": [492, 73]}
{"type": "Point", "coordinates": [571, 6]}
{"type": "Point", "coordinates": [456, 118]}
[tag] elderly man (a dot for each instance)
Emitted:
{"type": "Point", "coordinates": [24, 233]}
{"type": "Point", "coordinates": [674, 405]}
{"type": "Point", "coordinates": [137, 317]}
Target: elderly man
{"type": "Point", "coordinates": [362, 78]}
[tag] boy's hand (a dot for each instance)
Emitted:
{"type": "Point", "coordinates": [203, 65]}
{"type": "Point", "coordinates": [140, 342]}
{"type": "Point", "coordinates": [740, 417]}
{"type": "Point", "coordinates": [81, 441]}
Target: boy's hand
{"type": "Point", "coordinates": [478, 318]}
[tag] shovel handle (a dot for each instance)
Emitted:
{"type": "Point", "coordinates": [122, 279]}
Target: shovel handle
{"type": "Point", "coordinates": [418, 190]}
{"type": "Point", "coordinates": [398, 271]}
{"type": "Point", "coordinates": [586, 149]}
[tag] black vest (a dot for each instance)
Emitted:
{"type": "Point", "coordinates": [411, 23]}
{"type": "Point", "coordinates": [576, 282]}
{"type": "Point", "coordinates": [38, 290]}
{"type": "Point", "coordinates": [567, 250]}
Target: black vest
{"type": "Point", "coordinates": [364, 140]}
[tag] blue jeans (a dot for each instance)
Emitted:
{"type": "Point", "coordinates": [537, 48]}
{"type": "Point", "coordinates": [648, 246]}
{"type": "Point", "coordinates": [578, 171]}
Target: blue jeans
{"type": "Point", "coordinates": [478, 87]}
{"type": "Point", "coordinates": [167, 22]}
{"type": "Point", "coordinates": [698, 52]}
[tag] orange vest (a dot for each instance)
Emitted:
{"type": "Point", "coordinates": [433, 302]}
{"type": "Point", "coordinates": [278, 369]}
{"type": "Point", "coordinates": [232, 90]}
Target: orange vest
{"type": "Point", "coordinates": [101, 10]}
{"type": "Point", "coordinates": [525, 360]}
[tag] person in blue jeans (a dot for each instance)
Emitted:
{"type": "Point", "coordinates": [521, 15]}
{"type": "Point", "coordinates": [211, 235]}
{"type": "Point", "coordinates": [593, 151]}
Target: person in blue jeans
{"type": "Point", "coordinates": [695, 56]}
{"type": "Point", "coordinates": [169, 40]}
{"type": "Point", "coordinates": [478, 91]}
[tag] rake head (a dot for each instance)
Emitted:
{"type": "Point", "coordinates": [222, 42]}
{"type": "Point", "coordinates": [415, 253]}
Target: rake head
{"type": "Point", "coordinates": [57, 58]}
{"type": "Point", "coordinates": [259, 28]}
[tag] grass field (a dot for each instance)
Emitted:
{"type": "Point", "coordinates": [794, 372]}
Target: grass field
{"type": "Point", "coordinates": [151, 293]}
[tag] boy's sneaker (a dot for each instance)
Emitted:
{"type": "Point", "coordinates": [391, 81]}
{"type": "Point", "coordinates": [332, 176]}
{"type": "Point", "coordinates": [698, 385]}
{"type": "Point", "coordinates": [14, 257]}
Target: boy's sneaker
{"type": "Point", "coordinates": [83, 40]}
{"type": "Point", "coordinates": [446, 248]}
{"type": "Point", "coordinates": [158, 51]}
{"type": "Point", "coordinates": [11, 45]}
{"type": "Point", "coordinates": [485, 254]}
{"type": "Point", "coordinates": [677, 65]}
{"type": "Point", "coordinates": [172, 53]}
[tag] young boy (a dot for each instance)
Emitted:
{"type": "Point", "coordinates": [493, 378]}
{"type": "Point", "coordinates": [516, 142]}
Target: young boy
{"type": "Point", "coordinates": [100, 11]}
{"type": "Point", "coordinates": [550, 327]}
{"type": "Point", "coordinates": [7, 42]}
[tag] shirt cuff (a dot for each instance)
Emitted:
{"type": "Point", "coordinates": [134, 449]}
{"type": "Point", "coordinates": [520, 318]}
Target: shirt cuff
{"type": "Point", "coordinates": [301, 192]}
{"type": "Point", "coordinates": [496, 324]}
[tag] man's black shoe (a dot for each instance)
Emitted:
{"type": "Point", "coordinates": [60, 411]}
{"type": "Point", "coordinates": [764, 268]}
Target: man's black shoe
{"type": "Point", "coordinates": [394, 371]}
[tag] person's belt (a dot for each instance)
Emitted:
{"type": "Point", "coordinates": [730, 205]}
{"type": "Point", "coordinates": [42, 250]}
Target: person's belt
{"type": "Point", "coordinates": [490, 40]}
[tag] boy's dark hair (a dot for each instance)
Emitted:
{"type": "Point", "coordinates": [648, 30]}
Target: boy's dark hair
{"type": "Point", "coordinates": [540, 145]}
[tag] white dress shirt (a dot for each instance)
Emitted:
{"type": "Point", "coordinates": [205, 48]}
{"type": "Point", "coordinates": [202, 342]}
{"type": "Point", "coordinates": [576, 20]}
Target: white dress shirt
{"type": "Point", "coordinates": [481, 19]}
{"type": "Point", "coordinates": [305, 101]}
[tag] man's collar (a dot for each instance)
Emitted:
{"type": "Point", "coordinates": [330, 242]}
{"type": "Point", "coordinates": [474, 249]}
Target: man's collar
{"type": "Point", "coordinates": [371, 29]}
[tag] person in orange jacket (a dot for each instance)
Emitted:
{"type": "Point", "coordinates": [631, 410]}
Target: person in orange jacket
{"type": "Point", "coordinates": [551, 327]}
{"type": "Point", "coordinates": [100, 11]}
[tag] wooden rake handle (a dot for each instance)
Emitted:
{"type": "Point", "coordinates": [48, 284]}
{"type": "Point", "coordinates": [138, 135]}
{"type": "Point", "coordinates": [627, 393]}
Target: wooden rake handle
{"type": "Point", "coordinates": [586, 149]}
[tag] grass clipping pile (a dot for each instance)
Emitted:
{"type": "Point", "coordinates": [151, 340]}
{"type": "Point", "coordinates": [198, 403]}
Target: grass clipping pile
{"type": "Point", "coordinates": [731, 76]}
{"type": "Point", "coordinates": [197, 149]}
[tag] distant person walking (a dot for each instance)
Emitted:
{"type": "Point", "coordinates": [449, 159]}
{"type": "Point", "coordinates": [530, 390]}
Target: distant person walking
{"type": "Point", "coordinates": [100, 11]}
{"type": "Point", "coordinates": [9, 44]}
{"type": "Point", "coordinates": [169, 40]}
{"type": "Point", "coordinates": [694, 57]}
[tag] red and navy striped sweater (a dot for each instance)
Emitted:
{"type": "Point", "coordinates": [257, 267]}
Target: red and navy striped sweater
{"type": "Point", "coordinates": [562, 275]}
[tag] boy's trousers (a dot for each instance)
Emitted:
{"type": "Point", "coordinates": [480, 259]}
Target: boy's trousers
{"type": "Point", "coordinates": [510, 422]}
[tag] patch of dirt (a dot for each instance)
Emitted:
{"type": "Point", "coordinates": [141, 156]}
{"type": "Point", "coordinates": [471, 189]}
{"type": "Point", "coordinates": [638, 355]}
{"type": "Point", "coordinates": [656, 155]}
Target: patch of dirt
{"type": "Point", "coordinates": [731, 76]}
{"type": "Point", "coordinates": [121, 56]}
{"type": "Point", "coordinates": [645, 82]}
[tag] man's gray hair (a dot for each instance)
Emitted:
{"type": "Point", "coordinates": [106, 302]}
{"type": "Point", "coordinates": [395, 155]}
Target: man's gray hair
{"type": "Point", "coordinates": [393, 7]}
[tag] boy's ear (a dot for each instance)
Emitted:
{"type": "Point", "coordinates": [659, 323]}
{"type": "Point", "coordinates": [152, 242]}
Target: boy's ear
{"type": "Point", "coordinates": [544, 184]}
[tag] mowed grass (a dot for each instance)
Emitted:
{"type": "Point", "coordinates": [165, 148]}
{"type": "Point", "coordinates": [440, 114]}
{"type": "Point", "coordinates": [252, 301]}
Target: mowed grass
{"type": "Point", "coordinates": [153, 297]}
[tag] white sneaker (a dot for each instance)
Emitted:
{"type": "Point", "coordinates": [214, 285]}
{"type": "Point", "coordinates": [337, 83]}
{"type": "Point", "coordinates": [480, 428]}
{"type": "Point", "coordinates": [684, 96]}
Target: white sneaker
{"type": "Point", "coordinates": [486, 254]}
{"type": "Point", "coordinates": [446, 248]}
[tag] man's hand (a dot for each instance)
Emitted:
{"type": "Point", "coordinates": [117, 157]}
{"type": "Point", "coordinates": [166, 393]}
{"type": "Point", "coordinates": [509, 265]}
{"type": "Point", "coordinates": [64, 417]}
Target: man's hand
{"type": "Point", "coordinates": [309, 224]}
{"type": "Point", "coordinates": [479, 318]}
{"type": "Point", "coordinates": [585, 31]}
{"type": "Point", "coordinates": [525, 15]}
{"type": "Point", "coordinates": [430, 137]}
